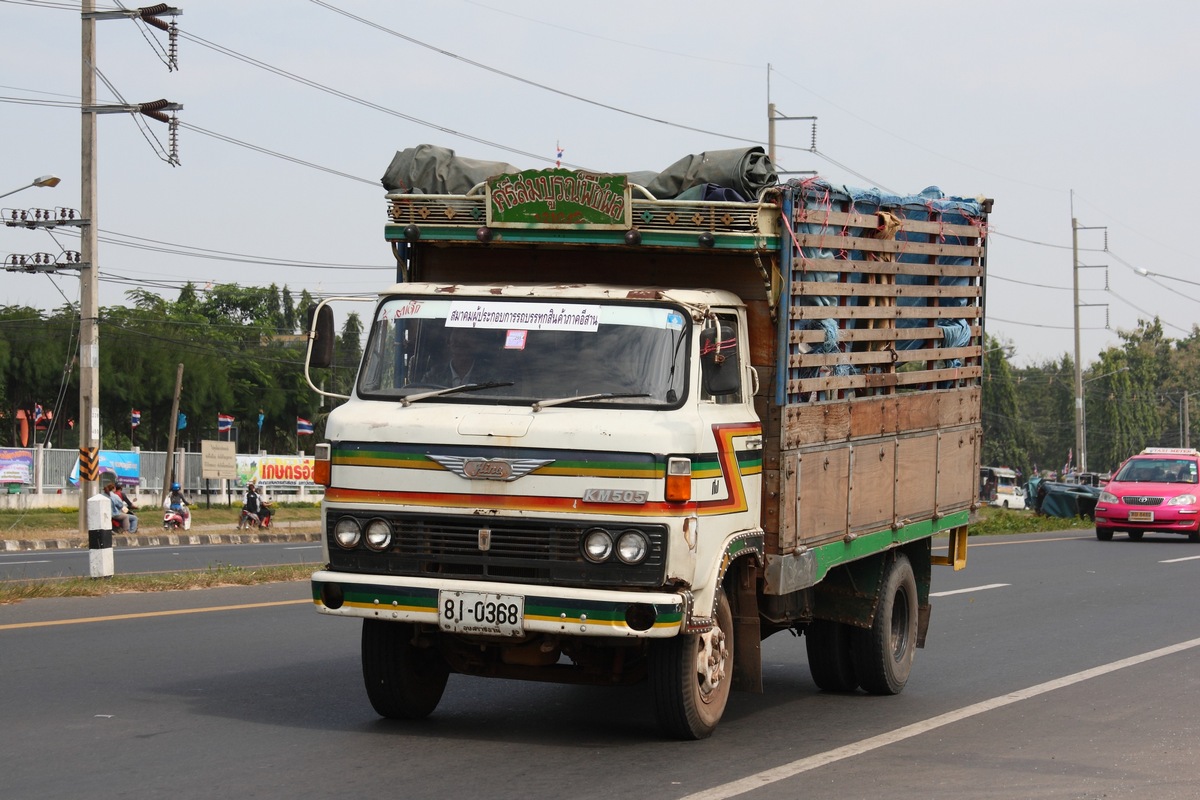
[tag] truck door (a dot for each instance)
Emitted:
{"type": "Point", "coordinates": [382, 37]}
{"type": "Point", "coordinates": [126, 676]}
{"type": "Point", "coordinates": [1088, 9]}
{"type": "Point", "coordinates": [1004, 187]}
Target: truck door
{"type": "Point", "coordinates": [728, 473]}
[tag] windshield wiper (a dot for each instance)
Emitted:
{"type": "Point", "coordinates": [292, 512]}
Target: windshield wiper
{"type": "Point", "coordinates": [558, 401]}
{"type": "Point", "coordinates": [408, 400]}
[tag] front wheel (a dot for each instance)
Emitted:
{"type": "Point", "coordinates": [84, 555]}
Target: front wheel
{"type": "Point", "coordinates": [883, 653]}
{"type": "Point", "coordinates": [403, 681]}
{"type": "Point", "coordinates": [1104, 534]}
{"type": "Point", "coordinates": [691, 676]}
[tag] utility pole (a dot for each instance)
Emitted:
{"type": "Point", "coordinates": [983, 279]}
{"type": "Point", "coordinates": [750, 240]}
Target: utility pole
{"type": "Point", "coordinates": [772, 115]}
{"type": "Point", "coordinates": [1080, 437]}
{"type": "Point", "coordinates": [89, 268]}
{"type": "Point", "coordinates": [89, 305]}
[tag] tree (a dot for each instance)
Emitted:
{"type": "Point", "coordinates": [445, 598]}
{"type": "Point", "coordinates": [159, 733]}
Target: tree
{"type": "Point", "coordinates": [1006, 432]}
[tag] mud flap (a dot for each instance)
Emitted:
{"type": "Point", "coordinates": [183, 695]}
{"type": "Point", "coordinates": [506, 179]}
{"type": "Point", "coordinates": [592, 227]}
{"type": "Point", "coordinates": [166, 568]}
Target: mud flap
{"type": "Point", "coordinates": [923, 613]}
{"type": "Point", "coordinates": [747, 630]}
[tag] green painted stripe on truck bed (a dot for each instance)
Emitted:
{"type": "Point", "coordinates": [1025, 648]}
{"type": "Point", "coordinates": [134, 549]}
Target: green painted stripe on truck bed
{"type": "Point", "coordinates": [835, 554]}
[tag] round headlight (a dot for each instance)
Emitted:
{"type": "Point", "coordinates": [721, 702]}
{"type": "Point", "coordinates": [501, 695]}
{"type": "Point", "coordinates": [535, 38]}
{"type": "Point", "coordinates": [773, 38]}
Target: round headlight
{"type": "Point", "coordinates": [378, 535]}
{"type": "Point", "coordinates": [632, 547]}
{"type": "Point", "coordinates": [597, 545]}
{"type": "Point", "coordinates": [346, 533]}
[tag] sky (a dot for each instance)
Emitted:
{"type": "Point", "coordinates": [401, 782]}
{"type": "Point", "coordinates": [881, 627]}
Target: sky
{"type": "Point", "coordinates": [1064, 110]}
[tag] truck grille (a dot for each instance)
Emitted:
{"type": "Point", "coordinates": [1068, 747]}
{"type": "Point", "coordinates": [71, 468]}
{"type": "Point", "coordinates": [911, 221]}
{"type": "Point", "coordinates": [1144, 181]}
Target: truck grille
{"type": "Point", "coordinates": [518, 550]}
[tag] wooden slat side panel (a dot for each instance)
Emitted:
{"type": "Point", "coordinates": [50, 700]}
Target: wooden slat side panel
{"type": "Point", "coordinates": [823, 491]}
{"type": "Point", "coordinates": [958, 472]}
{"type": "Point", "coordinates": [873, 483]}
{"type": "Point", "coordinates": [883, 380]}
{"type": "Point", "coordinates": [853, 335]}
{"type": "Point", "coordinates": [916, 477]}
{"type": "Point", "coordinates": [833, 241]}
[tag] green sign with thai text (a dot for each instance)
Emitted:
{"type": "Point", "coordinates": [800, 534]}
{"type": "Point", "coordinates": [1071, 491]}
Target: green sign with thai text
{"type": "Point", "coordinates": [558, 198]}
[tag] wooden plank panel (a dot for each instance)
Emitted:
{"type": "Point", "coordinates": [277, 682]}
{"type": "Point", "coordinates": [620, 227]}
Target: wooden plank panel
{"type": "Point", "coordinates": [848, 265]}
{"type": "Point", "coordinates": [825, 241]}
{"type": "Point", "coordinates": [817, 335]}
{"type": "Point", "coordinates": [958, 474]}
{"type": "Point", "coordinates": [831, 289]}
{"type": "Point", "coordinates": [916, 476]}
{"type": "Point", "coordinates": [961, 408]}
{"type": "Point", "coordinates": [824, 484]}
{"type": "Point", "coordinates": [844, 219]}
{"type": "Point", "coordinates": [865, 357]}
{"type": "Point", "coordinates": [789, 485]}
{"type": "Point", "coordinates": [811, 424]}
{"type": "Point", "coordinates": [873, 484]}
{"type": "Point", "coordinates": [838, 383]}
{"type": "Point", "coordinates": [886, 312]}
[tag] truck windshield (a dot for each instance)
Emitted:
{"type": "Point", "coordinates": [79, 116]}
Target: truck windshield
{"type": "Point", "coordinates": [515, 352]}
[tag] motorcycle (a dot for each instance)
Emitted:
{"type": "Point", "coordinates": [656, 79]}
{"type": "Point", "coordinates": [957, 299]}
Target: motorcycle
{"type": "Point", "coordinates": [249, 519]}
{"type": "Point", "coordinates": [176, 518]}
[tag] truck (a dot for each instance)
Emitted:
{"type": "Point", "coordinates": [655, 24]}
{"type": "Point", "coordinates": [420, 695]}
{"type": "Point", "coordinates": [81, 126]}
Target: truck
{"type": "Point", "coordinates": [1001, 487]}
{"type": "Point", "coordinates": [610, 430]}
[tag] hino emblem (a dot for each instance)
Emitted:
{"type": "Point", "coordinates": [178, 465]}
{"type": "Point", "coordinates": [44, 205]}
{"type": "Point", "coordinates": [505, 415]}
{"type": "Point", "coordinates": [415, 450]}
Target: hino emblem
{"type": "Point", "coordinates": [491, 469]}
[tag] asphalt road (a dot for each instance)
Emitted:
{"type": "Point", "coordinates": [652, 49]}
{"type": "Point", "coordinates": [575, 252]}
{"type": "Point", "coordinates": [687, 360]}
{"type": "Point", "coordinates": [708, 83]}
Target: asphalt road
{"type": "Point", "coordinates": [1056, 667]}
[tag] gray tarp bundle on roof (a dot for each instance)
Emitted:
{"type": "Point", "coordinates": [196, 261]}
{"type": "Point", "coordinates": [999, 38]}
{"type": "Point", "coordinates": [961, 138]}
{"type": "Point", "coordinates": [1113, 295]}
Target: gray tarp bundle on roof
{"type": "Point", "coordinates": [427, 169]}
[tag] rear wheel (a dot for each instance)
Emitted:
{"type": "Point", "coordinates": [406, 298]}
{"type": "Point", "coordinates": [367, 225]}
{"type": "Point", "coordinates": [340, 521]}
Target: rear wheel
{"type": "Point", "coordinates": [691, 676]}
{"type": "Point", "coordinates": [829, 658]}
{"type": "Point", "coordinates": [403, 681]}
{"type": "Point", "coordinates": [883, 653]}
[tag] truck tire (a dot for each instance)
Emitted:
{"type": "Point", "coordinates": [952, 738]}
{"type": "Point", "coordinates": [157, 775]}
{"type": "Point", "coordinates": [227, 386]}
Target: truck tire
{"type": "Point", "coordinates": [691, 675]}
{"type": "Point", "coordinates": [403, 681]}
{"type": "Point", "coordinates": [829, 658]}
{"type": "Point", "coordinates": [883, 653]}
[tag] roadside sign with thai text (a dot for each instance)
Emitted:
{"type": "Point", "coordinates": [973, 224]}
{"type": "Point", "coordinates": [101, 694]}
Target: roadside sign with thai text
{"type": "Point", "coordinates": [218, 459]}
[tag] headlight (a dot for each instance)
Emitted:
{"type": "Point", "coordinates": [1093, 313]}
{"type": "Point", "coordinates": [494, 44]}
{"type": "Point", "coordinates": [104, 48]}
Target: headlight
{"type": "Point", "coordinates": [632, 547]}
{"type": "Point", "coordinates": [379, 534]}
{"type": "Point", "coordinates": [597, 545]}
{"type": "Point", "coordinates": [346, 533]}
{"type": "Point", "coordinates": [1182, 500]}
{"type": "Point", "coordinates": [1108, 497]}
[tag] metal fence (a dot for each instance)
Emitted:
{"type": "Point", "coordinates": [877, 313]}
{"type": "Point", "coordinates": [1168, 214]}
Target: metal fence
{"type": "Point", "coordinates": [59, 469]}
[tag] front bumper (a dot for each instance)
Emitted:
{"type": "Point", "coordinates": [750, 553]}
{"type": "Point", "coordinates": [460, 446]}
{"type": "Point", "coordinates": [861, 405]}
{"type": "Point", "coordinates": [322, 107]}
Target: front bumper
{"type": "Point", "coordinates": [548, 609]}
{"type": "Point", "coordinates": [1116, 517]}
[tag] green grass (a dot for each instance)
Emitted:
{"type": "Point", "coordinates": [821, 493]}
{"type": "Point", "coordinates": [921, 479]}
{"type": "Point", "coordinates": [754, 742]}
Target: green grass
{"type": "Point", "coordinates": [999, 521]}
{"type": "Point", "coordinates": [16, 591]}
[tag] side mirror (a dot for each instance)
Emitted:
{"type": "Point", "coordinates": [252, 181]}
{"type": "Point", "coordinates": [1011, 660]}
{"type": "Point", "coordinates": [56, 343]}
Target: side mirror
{"type": "Point", "coordinates": [720, 367]}
{"type": "Point", "coordinates": [323, 336]}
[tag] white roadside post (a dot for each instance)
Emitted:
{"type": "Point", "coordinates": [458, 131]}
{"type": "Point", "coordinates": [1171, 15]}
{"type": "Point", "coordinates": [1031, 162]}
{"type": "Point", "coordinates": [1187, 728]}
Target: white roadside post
{"type": "Point", "coordinates": [99, 521]}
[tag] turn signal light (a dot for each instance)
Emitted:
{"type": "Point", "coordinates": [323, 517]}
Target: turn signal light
{"type": "Point", "coordinates": [321, 465]}
{"type": "Point", "coordinates": [679, 480]}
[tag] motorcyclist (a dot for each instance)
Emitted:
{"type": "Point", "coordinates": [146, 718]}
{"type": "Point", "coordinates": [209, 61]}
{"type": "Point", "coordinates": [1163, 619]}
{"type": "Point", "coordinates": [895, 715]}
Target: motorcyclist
{"type": "Point", "coordinates": [255, 508]}
{"type": "Point", "coordinates": [178, 504]}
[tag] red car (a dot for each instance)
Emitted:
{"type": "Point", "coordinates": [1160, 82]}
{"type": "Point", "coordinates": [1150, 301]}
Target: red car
{"type": "Point", "coordinates": [1155, 491]}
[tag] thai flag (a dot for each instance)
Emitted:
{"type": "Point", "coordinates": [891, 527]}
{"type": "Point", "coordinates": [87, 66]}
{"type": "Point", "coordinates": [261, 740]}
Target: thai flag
{"type": "Point", "coordinates": [38, 413]}
{"type": "Point", "coordinates": [224, 423]}
{"type": "Point", "coordinates": [135, 418]}
{"type": "Point", "coordinates": [303, 427]}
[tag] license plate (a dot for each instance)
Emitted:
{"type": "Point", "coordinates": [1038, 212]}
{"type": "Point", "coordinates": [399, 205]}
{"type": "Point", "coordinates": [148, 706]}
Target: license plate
{"type": "Point", "coordinates": [1141, 516]}
{"type": "Point", "coordinates": [481, 613]}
